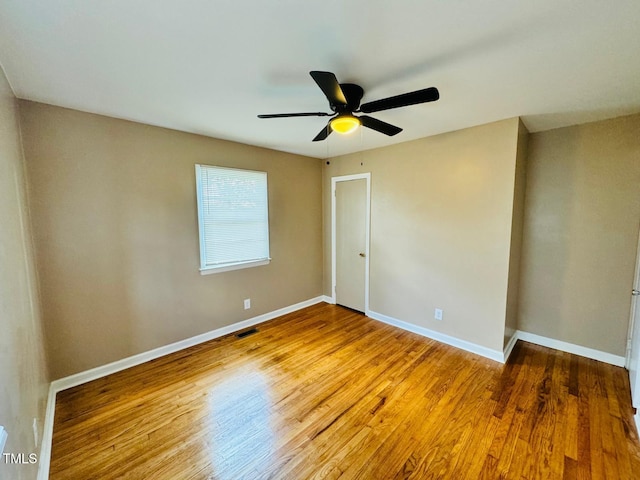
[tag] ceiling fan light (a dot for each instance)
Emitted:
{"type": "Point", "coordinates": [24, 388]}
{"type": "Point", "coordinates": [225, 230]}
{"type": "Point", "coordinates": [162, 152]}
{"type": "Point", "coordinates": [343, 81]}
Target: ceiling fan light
{"type": "Point", "coordinates": [345, 124]}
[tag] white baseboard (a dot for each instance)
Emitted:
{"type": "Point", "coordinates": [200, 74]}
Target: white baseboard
{"type": "Point", "coordinates": [3, 439]}
{"type": "Point", "coordinates": [509, 348]}
{"type": "Point", "coordinates": [503, 356]}
{"type": "Point", "coordinates": [605, 357]}
{"type": "Point", "coordinates": [114, 367]}
{"type": "Point", "coordinates": [328, 299]}
{"type": "Point", "coordinates": [110, 368]}
{"type": "Point", "coordinates": [44, 460]}
{"type": "Point", "coordinates": [496, 355]}
{"type": "Point", "coordinates": [637, 418]}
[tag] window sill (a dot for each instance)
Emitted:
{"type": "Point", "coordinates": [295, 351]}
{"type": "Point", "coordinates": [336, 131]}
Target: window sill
{"type": "Point", "coordinates": [234, 266]}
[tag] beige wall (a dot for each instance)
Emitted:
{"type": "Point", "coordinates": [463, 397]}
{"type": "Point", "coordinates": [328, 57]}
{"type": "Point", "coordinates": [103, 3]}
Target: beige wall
{"type": "Point", "coordinates": [581, 229]}
{"type": "Point", "coordinates": [517, 225]}
{"type": "Point", "coordinates": [116, 235]}
{"type": "Point", "coordinates": [116, 239]}
{"type": "Point", "coordinates": [23, 373]}
{"type": "Point", "coordinates": [441, 218]}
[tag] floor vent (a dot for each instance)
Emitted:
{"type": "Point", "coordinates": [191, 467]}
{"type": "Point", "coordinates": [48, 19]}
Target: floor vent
{"type": "Point", "coordinates": [246, 333]}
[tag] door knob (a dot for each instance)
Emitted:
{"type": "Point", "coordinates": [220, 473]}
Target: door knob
{"type": "Point", "coordinates": [362, 255]}
{"type": "Point", "coordinates": [634, 292]}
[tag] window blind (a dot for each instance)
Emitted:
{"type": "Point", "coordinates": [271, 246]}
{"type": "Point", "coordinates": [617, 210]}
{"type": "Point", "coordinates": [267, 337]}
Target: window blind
{"type": "Point", "coordinates": [233, 216]}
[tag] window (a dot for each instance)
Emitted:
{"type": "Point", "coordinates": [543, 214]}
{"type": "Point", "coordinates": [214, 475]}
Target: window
{"type": "Point", "coordinates": [233, 218]}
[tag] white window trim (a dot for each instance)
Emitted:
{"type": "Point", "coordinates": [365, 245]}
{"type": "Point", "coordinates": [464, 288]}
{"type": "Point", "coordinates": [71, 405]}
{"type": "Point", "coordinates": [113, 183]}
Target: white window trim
{"type": "Point", "coordinates": [234, 266]}
{"type": "Point", "coordinates": [211, 269]}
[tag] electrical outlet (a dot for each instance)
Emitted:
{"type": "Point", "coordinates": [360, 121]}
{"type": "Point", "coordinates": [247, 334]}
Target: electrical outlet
{"type": "Point", "coordinates": [247, 303]}
{"type": "Point", "coordinates": [438, 314]}
{"type": "Point", "coordinates": [3, 439]}
{"type": "Point", "coordinates": [36, 436]}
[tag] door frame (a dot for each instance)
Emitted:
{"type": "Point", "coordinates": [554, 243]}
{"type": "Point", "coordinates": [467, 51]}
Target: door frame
{"type": "Point", "coordinates": [334, 182]}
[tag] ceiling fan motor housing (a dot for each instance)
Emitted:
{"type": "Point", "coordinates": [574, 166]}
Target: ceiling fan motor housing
{"type": "Point", "coordinates": [353, 93]}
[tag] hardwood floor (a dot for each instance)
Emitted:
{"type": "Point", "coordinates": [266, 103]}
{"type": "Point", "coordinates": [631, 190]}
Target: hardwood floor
{"type": "Point", "coordinates": [328, 393]}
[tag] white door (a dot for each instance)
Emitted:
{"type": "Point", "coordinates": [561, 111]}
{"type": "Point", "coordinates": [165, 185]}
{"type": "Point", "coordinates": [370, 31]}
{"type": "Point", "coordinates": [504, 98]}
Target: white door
{"type": "Point", "coordinates": [634, 361]}
{"type": "Point", "coordinates": [351, 243]}
{"type": "Point", "coordinates": [633, 356]}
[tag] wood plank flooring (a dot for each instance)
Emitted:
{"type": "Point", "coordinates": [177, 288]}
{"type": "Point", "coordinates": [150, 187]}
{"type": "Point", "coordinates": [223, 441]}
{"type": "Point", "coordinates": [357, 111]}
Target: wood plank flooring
{"type": "Point", "coordinates": [328, 393]}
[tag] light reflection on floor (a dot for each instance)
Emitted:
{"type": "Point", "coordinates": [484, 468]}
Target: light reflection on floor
{"type": "Point", "coordinates": [240, 420]}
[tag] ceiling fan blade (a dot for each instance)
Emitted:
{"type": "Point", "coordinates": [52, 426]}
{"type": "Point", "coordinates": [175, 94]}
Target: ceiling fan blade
{"type": "Point", "coordinates": [329, 85]}
{"type": "Point", "coordinates": [285, 115]}
{"type": "Point", "coordinates": [324, 133]}
{"type": "Point", "coordinates": [430, 94]}
{"type": "Point", "coordinates": [379, 125]}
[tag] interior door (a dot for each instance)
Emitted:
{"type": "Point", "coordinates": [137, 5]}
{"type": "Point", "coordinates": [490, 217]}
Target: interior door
{"type": "Point", "coordinates": [633, 357]}
{"type": "Point", "coordinates": [351, 238]}
{"type": "Point", "coordinates": [634, 361]}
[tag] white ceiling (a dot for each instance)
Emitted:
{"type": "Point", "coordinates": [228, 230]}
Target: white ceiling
{"type": "Point", "coordinates": [210, 67]}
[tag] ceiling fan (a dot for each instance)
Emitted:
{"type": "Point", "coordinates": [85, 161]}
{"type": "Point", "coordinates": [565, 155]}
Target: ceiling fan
{"type": "Point", "coordinates": [344, 101]}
